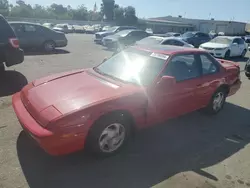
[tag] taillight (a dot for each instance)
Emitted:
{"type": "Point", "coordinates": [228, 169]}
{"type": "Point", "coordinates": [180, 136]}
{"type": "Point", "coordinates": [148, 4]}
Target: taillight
{"type": "Point", "coordinates": [14, 42]}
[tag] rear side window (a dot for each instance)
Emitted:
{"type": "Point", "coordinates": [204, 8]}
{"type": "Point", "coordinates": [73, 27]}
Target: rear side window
{"type": "Point", "coordinates": [177, 43]}
{"type": "Point", "coordinates": [29, 28]}
{"type": "Point", "coordinates": [208, 66]}
{"type": "Point", "coordinates": [202, 35]}
{"type": "Point", "coordinates": [183, 67]}
{"type": "Point", "coordinates": [6, 31]}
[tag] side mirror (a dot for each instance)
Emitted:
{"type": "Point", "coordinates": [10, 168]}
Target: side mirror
{"type": "Point", "coordinates": [167, 82]}
{"type": "Point", "coordinates": [235, 44]}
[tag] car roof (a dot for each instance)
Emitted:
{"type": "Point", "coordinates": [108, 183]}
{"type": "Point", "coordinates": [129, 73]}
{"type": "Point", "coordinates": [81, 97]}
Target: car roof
{"type": "Point", "coordinates": [129, 30]}
{"type": "Point", "coordinates": [17, 22]}
{"type": "Point", "coordinates": [167, 49]}
{"type": "Point", "coordinates": [229, 37]}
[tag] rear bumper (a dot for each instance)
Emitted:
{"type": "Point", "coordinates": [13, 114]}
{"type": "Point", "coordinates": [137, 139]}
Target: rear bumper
{"type": "Point", "coordinates": [52, 143]}
{"type": "Point", "coordinates": [234, 88]}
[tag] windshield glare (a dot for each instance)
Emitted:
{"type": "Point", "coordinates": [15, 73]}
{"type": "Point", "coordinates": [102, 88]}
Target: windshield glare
{"type": "Point", "coordinates": [133, 66]}
{"type": "Point", "coordinates": [188, 34]}
{"type": "Point", "coordinates": [221, 40]}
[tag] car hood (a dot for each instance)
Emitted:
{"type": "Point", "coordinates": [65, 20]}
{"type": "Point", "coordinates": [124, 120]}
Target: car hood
{"type": "Point", "coordinates": [74, 90]}
{"type": "Point", "coordinates": [214, 45]}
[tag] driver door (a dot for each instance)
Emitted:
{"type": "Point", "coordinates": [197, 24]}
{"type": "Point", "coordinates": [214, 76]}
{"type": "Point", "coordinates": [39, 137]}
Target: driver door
{"type": "Point", "coordinates": [181, 98]}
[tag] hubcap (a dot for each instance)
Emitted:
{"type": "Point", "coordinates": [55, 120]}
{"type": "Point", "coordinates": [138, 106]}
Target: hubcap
{"type": "Point", "coordinates": [49, 46]}
{"type": "Point", "coordinates": [218, 101]}
{"type": "Point", "coordinates": [112, 137]}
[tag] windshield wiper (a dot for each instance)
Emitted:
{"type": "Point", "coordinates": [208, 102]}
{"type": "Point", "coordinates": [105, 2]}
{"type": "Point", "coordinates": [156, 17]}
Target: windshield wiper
{"type": "Point", "coordinates": [108, 75]}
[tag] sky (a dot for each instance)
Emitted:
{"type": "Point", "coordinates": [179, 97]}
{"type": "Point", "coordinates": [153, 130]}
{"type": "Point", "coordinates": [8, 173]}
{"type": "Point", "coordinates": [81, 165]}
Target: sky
{"type": "Point", "coordinates": [236, 10]}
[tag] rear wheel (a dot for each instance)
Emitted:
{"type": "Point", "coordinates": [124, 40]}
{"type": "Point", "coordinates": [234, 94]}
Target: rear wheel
{"type": "Point", "coordinates": [49, 46]}
{"type": "Point", "coordinates": [109, 135]}
{"type": "Point", "coordinates": [2, 67]}
{"type": "Point", "coordinates": [217, 102]}
{"type": "Point", "coordinates": [227, 55]}
{"type": "Point", "coordinates": [247, 74]}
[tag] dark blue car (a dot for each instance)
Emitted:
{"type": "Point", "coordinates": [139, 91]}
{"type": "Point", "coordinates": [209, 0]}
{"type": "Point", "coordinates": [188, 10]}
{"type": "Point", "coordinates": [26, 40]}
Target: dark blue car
{"type": "Point", "coordinates": [195, 38]}
{"type": "Point", "coordinates": [100, 35]}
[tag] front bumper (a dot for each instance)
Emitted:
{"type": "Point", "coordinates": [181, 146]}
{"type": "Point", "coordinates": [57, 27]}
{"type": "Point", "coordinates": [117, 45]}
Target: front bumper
{"type": "Point", "coordinates": [216, 53]}
{"type": "Point", "coordinates": [53, 143]}
{"type": "Point", "coordinates": [61, 43]}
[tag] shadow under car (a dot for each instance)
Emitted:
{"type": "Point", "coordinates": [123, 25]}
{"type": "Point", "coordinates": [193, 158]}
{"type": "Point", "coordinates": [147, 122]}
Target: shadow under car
{"type": "Point", "coordinates": [11, 82]}
{"type": "Point", "coordinates": [33, 52]}
{"type": "Point", "coordinates": [188, 143]}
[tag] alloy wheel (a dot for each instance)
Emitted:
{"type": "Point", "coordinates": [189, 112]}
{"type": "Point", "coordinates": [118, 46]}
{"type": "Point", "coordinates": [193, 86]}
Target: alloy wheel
{"type": "Point", "coordinates": [112, 137]}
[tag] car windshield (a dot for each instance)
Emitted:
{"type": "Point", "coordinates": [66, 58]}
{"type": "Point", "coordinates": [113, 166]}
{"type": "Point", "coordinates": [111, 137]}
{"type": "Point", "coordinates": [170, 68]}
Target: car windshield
{"type": "Point", "coordinates": [60, 26]}
{"type": "Point", "coordinates": [169, 34]}
{"type": "Point", "coordinates": [123, 33]}
{"type": "Point", "coordinates": [112, 29]}
{"type": "Point", "coordinates": [188, 34]}
{"type": "Point", "coordinates": [150, 40]}
{"type": "Point", "coordinates": [221, 40]}
{"type": "Point", "coordinates": [133, 66]}
{"type": "Point", "coordinates": [105, 28]}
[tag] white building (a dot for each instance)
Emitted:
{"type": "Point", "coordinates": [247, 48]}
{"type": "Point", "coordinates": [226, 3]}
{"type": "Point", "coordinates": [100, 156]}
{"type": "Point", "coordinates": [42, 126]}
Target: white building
{"type": "Point", "coordinates": [227, 27]}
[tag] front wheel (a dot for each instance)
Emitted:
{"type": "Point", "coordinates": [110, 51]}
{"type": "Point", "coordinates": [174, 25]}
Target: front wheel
{"type": "Point", "coordinates": [217, 102]}
{"type": "Point", "coordinates": [247, 74]}
{"type": "Point", "coordinates": [227, 55]}
{"type": "Point", "coordinates": [243, 53]}
{"type": "Point", "coordinates": [108, 135]}
{"type": "Point", "coordinates": [49, 46]}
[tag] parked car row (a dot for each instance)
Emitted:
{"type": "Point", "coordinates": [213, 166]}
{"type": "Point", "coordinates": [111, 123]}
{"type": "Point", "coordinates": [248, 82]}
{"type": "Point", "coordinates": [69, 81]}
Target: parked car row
{"type": "Point", "coordinates": [67, 28]}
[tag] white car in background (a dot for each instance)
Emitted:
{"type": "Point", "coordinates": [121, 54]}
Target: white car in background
{"type": "Point", "coordinates": [225, 47]}
{"type": "Point", "coordinates": [154, 40]}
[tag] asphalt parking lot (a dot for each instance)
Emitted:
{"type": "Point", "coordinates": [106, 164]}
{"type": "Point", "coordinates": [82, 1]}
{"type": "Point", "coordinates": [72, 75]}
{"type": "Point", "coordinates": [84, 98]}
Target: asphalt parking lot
{"type": "Point", "coordinates": [192, 151]}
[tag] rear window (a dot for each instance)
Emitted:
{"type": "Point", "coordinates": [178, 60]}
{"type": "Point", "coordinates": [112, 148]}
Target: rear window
{"type": "Point", "coordinates": [5, 30]}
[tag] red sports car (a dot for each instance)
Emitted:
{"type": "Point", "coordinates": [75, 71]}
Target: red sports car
{"type": "Point", "coordinates": [98, 108]}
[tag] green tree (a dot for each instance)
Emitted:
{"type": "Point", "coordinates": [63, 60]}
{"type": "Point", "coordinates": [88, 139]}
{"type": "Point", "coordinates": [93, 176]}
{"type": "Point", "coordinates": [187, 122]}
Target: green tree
{"type": "Point", "coordinates": [107, 7]}
{"type": "Point", "coordinates": [81, 13]}
{"type": "Point", "coordinates": [40, 12]}
{"type": "Point", "coordinates": [4, 7]}
{"type": "Point", "coordinates": [130, 16]}
{"type": "Point", "coordinates": [119, 15]}
{"type": "Point", "coordinates": [21, 10]}
{"type": "Point", "coordinates": [94, 16]}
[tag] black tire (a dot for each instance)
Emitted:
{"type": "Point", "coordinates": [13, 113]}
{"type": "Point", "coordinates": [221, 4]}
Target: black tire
{"type": "Point", "coordinates": [49, 46]}
{"type": "Point", "coordinates": [97, 135]}
{"type": "Point", "coordinates": [227, 55]}
{"type": "Point", "coordinates": [210, 109]}
{"type": "Point", "coordinates": [243, 53]}
{"type": "Point", "coordinates": [247, 74]}
{"type": "Point", "coordinates": [2, 67]}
